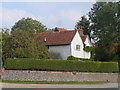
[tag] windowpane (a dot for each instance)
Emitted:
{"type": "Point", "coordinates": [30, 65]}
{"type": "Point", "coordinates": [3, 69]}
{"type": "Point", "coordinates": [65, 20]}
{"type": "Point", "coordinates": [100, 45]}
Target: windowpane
{"type": "Point", "coordinates": [78, 47]}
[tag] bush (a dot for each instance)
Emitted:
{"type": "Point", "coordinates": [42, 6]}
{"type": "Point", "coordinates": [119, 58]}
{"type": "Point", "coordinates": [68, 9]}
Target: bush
{"type": "Point", "coordinates": [60, 65]}
{"type": "Point", "coordinates": [55, 55]}
{"type": "Point", "coordinates": [74, 58]}
{"type": "Point", "coordinates": [92, 50]}
{"type": "Point", "coordinates": [115, 58]}
{"type": "Point", "coordinates": [84, 59]}
{"type": "Point", "coordinates": [71, 58]}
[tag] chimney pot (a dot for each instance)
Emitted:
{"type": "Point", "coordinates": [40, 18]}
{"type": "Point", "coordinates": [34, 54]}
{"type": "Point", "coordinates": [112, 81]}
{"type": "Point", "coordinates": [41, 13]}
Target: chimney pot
{"type": "Point", "coordinates": [79, 27]}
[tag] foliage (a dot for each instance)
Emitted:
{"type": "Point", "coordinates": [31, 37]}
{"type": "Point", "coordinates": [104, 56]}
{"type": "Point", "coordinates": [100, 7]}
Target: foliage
{"type": "Point", "coordinates": [55, 55]}
{"type": "Point", "coordinates": [0, 49]}
{"type": "Point", "coordinates": [23, 45]}
{"type": "Point", "coordinates": [115, 58]}
{"type": "Point", "coordinates": [29, 25]}
{"type": "Point", "coordinates": [84, 59]}
{"type": "Point", "coordinates": [118, 53]}
{"type": "Point", "coordinates": [60, 65]}
{"type": "Point", "coordinates": [105, 20]}
{"type": "Point", "coordinates": [0, 44]}
{"type": "Point", "coordinates": [92, 50]}
{"type": "Point", "coordinates": [86, 25]}
{"type": "Point", "coordinates": [4, 40]}
{"type": "Point", "coordinates": [71, 58]}
{"type": "Point", "coordinates": [88, 48]}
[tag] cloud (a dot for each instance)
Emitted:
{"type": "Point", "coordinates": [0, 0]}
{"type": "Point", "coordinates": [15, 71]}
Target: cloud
{"type": "Point", "coordinates": [0, 16]}
{"type": "Point", "coordinates": [69, 18]}
{"type": "Point", "coordinates": [10, 16]}
{"type": "Point", "coordinates": [63, 19]}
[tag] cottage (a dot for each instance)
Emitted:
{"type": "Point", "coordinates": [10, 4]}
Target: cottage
{"type": "Point", "coordinates": [66, 42]}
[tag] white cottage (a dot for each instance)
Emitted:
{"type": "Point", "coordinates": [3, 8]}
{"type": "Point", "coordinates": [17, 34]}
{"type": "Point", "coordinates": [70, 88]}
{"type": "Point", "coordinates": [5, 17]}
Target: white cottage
{"type": "Point", "coordinates": [66, 42]}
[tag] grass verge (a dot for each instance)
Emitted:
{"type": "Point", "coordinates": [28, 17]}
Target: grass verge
{"type": "Point", "coordinates": [46, 82]}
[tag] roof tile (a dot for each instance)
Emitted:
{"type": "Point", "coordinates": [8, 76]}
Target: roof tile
{"type": "Point", "coordinates": [59, 38]}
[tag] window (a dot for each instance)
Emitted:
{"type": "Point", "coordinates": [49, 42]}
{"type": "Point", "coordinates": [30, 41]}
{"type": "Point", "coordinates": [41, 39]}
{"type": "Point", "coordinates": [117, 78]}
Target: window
{"type": "Point", "coordinates": [78, 47]}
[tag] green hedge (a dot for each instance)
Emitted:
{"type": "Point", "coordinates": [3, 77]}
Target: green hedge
{"type": "Point", "coordinates": [60, 65]}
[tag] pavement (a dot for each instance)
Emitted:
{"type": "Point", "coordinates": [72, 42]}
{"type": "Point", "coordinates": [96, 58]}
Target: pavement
{"type": "Point", "coordinates": [12, 85]}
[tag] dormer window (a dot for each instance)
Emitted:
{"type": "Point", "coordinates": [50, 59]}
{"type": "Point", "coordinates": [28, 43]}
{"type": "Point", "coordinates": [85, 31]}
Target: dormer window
{"type": "Point", "coordinates": [78, 47]}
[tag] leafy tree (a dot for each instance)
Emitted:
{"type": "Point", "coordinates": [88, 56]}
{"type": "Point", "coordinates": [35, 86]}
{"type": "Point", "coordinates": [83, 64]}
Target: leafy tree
{"type": "Point", "coordinates": [86, 25]}
{"type": "Point", "coordinates": [5, 34]}
{"type": "Point", "coordinates": [0, 49]}
{"type": "Point", "coordinates": [23, 45]}
{"type": "Point", "coordinates": [29, 25]}
{"type": "Point", "coordinates": [51, 30]}
{"type": "Point", "coordinates": [103, 16]}
{"type": "Point", "coordinates": [104, 19]}
{"type": "Point", "coordinates": [4, 51]}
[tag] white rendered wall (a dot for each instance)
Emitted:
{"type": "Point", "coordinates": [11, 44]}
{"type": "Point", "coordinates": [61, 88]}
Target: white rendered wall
{"type": "Point", "coordinates": [87, 42]}
{"type": "Point", "coordinates": [78, 41]}
{"type": "Point", "coordinates": [63, 50]}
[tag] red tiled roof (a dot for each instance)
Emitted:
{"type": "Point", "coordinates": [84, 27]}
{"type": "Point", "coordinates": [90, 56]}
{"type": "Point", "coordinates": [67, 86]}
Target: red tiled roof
{"type": "Point", "coordinates": [60, 29]}
{"type": "Point", "coordinates": [83, 37]}
{"type": "Point", "coordinates": [58, 38]}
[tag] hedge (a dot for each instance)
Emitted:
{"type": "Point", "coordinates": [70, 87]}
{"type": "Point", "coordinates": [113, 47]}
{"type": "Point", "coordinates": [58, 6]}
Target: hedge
{"type": "Point", "coordinates": [60, 65]}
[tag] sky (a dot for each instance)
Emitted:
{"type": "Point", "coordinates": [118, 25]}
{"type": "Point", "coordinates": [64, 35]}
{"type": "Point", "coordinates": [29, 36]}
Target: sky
{"type": "Point", "coordinates": [51, 14]}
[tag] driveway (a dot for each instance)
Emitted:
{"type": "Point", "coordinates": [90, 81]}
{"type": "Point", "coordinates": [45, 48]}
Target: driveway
{"type": "Point", "coordinates": [12, 85]}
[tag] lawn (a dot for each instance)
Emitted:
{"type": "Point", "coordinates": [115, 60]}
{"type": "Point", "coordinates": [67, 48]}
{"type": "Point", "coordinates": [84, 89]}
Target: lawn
{"type": "Point", "coordinates": [46, 82]}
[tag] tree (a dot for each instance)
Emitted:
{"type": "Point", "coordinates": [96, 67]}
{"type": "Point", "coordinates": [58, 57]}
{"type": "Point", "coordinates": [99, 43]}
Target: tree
{"type": "Point", "coordinates": [29, 25]}
{"type": "Point", "coordinates": [86, 25]}
{"type": "Point", "coordinates": [4, 51]}
{"type": "Point", "coordinates": [24, 45]}
{"type": "Point", "coordinates": [21, 43]}
{"type": "Point", "coordinates": [104, 19]}
{"type": "Point", "coordinates": [103, 16]}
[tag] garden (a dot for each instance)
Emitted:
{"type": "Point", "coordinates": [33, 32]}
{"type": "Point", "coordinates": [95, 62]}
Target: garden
{"type": "Point", "coordinates": [21, 51]}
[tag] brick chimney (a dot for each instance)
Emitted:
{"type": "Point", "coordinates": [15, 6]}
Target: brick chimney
{"type": "Point", "coordinates": [80, 30]}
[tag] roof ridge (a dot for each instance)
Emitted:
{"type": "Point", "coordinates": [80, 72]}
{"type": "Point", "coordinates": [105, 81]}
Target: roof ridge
{"type": "Point", "coordinates": [61, 29]}
{"type": "Point", "coordinates": [74, 34]}
{"type": "Point", "coordinates": [59, 38]}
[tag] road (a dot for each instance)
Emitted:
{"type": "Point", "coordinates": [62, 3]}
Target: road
{"type": "Point", "coordinates": [12, 85]}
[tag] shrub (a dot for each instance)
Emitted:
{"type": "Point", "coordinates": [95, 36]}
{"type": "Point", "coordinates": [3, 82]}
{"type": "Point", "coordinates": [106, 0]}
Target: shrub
{"type": "Point", "coordinates": [92, 50]}
{"type": "Point", "coordinates": [71, 58]}
{"type": "Point", "coordinates": [115, 58]}
{"type": "Point", "coordinates": [56, 55]}
{"type": "Point", "coordinates": [83, 59]}
{"type": "Point", "coordinates": [60, 65]}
